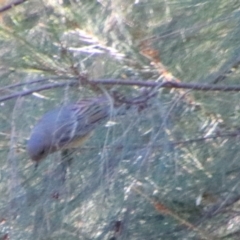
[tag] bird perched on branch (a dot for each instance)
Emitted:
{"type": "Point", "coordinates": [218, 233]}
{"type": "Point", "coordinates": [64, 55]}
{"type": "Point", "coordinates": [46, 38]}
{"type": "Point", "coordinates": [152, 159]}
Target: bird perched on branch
{"type": "Point", "coordinates": [68, 126]}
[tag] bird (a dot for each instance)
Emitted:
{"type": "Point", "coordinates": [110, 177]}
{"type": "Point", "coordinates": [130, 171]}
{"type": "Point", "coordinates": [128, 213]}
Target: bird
{"type": "Point", "coordinates": [67, 126]}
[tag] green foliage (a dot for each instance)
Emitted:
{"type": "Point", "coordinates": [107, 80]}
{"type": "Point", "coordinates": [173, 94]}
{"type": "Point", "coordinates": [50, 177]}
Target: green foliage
{"type": "Point", "coordinates": [156, 171]}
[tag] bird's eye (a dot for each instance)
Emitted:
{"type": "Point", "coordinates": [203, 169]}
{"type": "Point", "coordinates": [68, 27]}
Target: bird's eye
{"type": "Point", "coordinates": [42, 152]}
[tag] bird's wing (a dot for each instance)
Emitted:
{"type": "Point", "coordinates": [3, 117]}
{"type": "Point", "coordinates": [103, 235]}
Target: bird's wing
{"type": "Point", "coordinates": [85, 116]}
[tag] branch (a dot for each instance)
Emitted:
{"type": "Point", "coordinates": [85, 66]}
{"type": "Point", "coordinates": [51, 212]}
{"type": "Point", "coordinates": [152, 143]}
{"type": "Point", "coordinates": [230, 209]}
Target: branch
{"type": "Point", "coordinates": [228, 68]}
{"type": "Point", "coordinates": [203, 139]}
{"type": "Point", "coordinates": [40, 80]}
{"type": "Point", "coordinates": [73, 83]}
{"type": "Point", "coordinates": [113, 82]}
{"type": "Point", "coordinates": [181, 85]}
{"type": "Point", "coordinates": [219, 207]}
{"type": "Point", "coordinates": [11, 5]}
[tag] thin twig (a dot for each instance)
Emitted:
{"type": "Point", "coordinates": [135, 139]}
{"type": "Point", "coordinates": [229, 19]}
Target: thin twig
{"type": "Point", "coordinates": [227, 68]}
{"type": "Point", "coordinates": [164, 210]}
{"type": "Point", "coordinates": [73, 83]}
{"type": "Point", "coordinates": [11, 5]}
{"type": "Point", "coordinates": [40, 80]}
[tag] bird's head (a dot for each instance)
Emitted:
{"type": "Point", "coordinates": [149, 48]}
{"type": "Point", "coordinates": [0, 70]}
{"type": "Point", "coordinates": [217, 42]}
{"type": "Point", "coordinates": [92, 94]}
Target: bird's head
{"type": "Point", "coordinates": [38, 146]}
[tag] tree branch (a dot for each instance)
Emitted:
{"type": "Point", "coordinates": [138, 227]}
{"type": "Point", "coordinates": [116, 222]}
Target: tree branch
{"type": "Point", "coordinates": [146, 83]}
{"type": "Point", "coordinates": [11, 5]}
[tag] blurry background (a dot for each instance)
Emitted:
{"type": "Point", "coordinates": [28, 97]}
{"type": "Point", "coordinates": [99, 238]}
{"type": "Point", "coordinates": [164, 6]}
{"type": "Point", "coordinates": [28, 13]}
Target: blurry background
{"type": "Point", "coordinates": [170, 171]}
